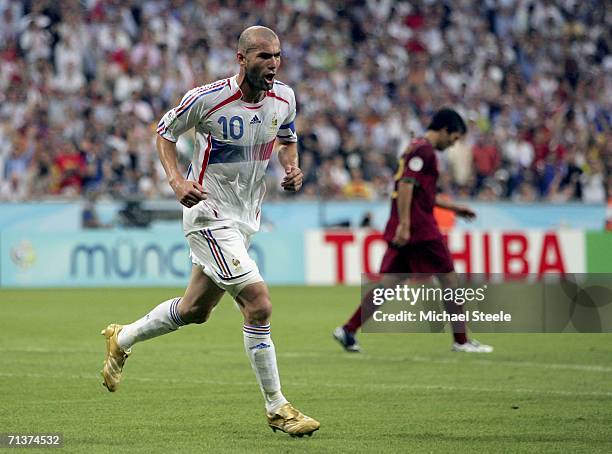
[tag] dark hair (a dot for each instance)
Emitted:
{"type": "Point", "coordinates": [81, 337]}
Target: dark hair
{"type": "Point", "coordinates": [447, 119]}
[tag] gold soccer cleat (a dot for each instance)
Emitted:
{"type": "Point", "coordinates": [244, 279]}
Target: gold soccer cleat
{"type": "Point", "coordinates": [291, 421]}
{"type": "Point", "coordinates": [115, 358]}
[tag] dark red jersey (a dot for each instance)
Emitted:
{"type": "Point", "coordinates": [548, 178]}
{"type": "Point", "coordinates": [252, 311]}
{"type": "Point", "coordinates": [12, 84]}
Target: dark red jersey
{"type": "Point", "coordinates": [420, 166]}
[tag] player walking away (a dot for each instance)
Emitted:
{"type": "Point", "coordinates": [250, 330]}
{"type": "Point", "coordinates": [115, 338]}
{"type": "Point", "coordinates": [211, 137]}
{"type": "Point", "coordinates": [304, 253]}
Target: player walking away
{"type": "Point", "coordinates": [415, 244]}
{"type": "Point", "coordinates": [236, 121]}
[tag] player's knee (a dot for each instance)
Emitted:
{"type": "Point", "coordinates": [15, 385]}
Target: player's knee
{"type": "Point", "coordinates": [259, 311]}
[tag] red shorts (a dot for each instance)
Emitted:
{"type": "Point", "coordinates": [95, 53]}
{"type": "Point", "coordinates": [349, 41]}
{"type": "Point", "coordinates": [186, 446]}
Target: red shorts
{"type": "Point", "coordinates": [426, 257]}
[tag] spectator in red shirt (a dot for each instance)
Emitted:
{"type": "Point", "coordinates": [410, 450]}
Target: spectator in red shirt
{"type": "Point", "coordinates": [69, 168]}
{"type": "Point", "coordinates": [486, 158]}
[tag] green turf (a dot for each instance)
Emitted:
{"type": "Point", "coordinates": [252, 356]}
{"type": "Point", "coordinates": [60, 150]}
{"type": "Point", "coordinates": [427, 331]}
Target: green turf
{"type": "Point", "coordinates": [194, 390]}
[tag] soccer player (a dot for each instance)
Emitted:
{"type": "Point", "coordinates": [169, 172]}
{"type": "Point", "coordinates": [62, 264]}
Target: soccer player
{"type": "Point", "coordinates": [415, 243]}
{"type": "Point", "coordinates": [237, 121]}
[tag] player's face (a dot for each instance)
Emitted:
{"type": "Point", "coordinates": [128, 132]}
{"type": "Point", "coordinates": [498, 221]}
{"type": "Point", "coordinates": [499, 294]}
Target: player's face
{"type": "Point", "coordinates": [262, 63]}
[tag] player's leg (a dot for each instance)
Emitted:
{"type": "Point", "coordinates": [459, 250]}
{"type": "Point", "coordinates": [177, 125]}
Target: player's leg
{"type": "Point", "coordinates": [346, 334]}
{"type": "Point", "coordinates": [223, 254]}
{"type": "Point", "coordinates": [461, 341]}
{"type": "Point", "coordinates": [434, 258]}
{"type": "Point", "coordinates": [449, 280]}
{"type": "Point", "coordinates": [200, 297]}
{"type": "Point", "coordinates": [254, 301]}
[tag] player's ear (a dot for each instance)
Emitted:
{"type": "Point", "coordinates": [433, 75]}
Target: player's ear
{"type": "Point", "coordinates": [241, 58]}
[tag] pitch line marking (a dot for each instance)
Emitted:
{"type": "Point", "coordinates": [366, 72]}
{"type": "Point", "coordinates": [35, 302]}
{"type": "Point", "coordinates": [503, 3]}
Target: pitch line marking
{"type": "Point", "coordinates": [362, 357]}
{"type": "Point", "coordinates": [375, 386]}
{"type": "Point", "coordinates": [421, 359]}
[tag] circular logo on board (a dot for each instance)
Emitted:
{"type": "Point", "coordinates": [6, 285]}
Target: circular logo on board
{"type": "Point", "coordinates": [415, 164]}
{"type": "Point", "coordinates": [23, 255]}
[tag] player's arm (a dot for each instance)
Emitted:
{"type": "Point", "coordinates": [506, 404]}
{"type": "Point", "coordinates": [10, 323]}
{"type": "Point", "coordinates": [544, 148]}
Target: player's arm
{"type": "Point", "coordinates": [288, 157]}
{"type": "Point", "coordinates": [189, 193]}
{"type": "Point", "coordinates": [172, 125]}
{"type": "Point", "coordinates": [404, 201]}
{"type": "Point", "coordinates": [460, 210]}
{"type": "Point", "coordinates": [287, 151]}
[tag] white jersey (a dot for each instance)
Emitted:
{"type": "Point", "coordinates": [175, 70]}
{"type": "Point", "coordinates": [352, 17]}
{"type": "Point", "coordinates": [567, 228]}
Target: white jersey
{"type": "Point", "coordinates": [234, 142]}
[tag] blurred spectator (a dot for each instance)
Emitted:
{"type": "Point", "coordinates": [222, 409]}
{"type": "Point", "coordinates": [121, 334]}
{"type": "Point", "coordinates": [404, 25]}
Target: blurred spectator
{"type": "Point", "coordinates": [486, 158]}
{"type": "Point", "coordinates": [593, 183]}
{"type": "Point", "coordinates": [357, 187]}
{"type": "Point", "coordinates": [69, 169]}
{"type": "Point", "coordinates": [89, 215]}
{"type": "Point", "coordinates": [531, 77]}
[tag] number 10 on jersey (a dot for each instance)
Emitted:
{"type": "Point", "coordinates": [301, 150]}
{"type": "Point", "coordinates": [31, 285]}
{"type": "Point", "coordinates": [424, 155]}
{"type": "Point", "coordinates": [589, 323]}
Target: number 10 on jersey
{"type": "Point", "coordinates": [235, 127]}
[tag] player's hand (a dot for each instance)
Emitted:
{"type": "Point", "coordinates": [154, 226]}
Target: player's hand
{"type": "Point", "coordinates": [293, 179]}
{"type": "Point", "coordinates": [465, 212]}
{"type": "Point", "coordinates": [189, 193]}
{"type": "Point", "coordinates": [402, 235]}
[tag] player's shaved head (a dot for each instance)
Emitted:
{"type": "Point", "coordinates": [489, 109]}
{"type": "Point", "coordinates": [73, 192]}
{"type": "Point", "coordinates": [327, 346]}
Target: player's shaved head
{"type": "Point", "coordinates": [250, 38]}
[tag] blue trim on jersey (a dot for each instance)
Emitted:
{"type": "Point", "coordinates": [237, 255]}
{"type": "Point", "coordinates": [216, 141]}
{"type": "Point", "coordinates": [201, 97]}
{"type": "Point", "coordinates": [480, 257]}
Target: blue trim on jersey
{"type": "Point", "coordinates": [289, 126]}
{"type": "Point", "coordinates": [188, 171]}
{"type": "Point", "coordinates": [223, 152]}
{"type": "Point", "coordinates": [194, 91]}
{"type": "Point", "coordinates": [226, 152]}
{"type": "Point", "coordinates": [185, 109]}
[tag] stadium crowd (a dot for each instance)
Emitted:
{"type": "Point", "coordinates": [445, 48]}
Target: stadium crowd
{"type": "Point", "coordinates": [84, 83]}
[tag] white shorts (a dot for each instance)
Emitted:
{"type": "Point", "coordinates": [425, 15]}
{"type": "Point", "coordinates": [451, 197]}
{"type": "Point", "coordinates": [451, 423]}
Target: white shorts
{"type": "Point", "coordinates": [222, 254]}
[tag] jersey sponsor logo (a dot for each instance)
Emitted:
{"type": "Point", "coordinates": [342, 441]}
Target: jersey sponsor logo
{"type": "Point", "coordinates": [255, 120]}
{"type": "Point", "coordinates": [236, 263]}
{"type": "Point", "coordinates": [415, 164]}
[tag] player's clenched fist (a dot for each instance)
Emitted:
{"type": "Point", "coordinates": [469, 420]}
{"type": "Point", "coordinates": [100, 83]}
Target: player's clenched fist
{"type": "Point", "coordinates": [293, 179]}
{"type": "Point", "coordinates": [189, 193]}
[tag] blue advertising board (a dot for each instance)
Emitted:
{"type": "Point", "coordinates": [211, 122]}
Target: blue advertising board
{"type": "Point", "coordinates": [128, 258]}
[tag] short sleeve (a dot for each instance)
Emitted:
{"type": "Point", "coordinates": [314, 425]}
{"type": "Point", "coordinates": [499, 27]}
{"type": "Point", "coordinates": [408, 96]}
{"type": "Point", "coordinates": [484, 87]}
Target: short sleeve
{"type": "Point", "coordinates": [286, 132]}
{"type": "Point", "coordinates": [185, 116]}
{"type": "Point", "coordinates": [417, 165]}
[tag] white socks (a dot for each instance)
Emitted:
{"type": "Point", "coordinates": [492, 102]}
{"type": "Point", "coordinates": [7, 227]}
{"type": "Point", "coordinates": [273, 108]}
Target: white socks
{"type": "Point", "coordinates": [260, 350]}
{"type": "Point", "coordinates": [161, 320]}
{"type": "Point", "coordinates": [257, 342]}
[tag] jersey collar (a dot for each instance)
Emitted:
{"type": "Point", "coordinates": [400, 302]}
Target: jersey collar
{"type": "Point", "coordinates": [235, 87]}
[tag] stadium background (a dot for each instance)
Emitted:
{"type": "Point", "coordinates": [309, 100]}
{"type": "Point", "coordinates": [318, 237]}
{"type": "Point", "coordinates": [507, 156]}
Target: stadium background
{"type": "Point", "coordinates": [83, 84]}
{"type": "Point", "coordinates": [84, 202]}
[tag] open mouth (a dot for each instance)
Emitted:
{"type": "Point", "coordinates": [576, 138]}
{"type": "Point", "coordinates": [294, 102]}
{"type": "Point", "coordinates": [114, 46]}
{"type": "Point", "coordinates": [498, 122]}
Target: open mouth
{"type": "Point", "coordinates": [270, 77]}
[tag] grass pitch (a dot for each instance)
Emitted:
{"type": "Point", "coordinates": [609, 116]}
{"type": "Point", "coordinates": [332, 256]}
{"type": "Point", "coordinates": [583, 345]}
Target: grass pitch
{"type": "Point", "coordinates": [194, 390]}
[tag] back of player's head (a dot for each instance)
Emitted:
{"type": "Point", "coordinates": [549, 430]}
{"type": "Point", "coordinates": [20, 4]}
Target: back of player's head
{"type": "Point", "coordinates": [447, 119]}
